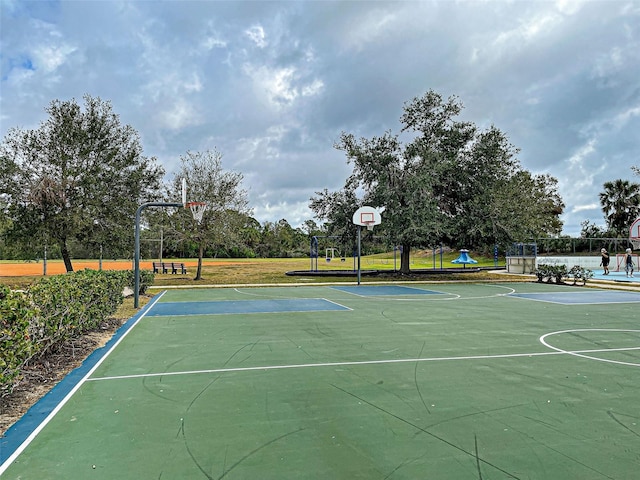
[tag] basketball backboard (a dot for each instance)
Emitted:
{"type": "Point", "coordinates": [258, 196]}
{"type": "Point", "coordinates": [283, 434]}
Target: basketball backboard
{"type": "Point", "coordinates": [634, 229]}
{"type": "Point", "coordinates": [634, 234]}
{"type": "Point", "coordinates": [184, 191]}
{"type": "Point", "coordinates": [367, 216]}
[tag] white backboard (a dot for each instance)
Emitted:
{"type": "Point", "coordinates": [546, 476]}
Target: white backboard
{"type": "Point", "coordinates": [367, 216]}
{"type": "Point", "coordinates": [634, 230]}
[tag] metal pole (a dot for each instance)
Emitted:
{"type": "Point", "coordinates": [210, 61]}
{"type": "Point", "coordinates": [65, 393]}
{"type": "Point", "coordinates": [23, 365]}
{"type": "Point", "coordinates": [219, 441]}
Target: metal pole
{"type": "Point", "coordinates": [136, 255]}
{"type": "Point", "coordinates": [359, 228]}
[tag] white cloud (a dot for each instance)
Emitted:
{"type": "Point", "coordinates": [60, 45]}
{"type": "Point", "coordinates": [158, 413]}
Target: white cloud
{"type": "Point", "coordinates": [179, 115]}
{"type": "Point", "coordinates": [257, 35]}
{"type": "Point", "coordinates": [272, 84]}
{"type": "Point", "coordinates": [583, 208]}
{"type": "Point", "coordinates": [281, 86]}
{"type": "Point", "coordinates": [372, 26]}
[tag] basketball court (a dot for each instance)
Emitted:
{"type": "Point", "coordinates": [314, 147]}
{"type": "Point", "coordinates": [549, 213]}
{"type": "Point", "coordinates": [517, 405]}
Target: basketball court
{"type": "Point", "coordinates": [446, 381]}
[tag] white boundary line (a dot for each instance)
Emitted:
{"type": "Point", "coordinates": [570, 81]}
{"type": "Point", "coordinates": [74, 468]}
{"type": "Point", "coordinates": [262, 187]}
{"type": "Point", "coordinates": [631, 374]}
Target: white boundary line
{"type": "Point", "coordinates": [343, 289]}
{"type": "Point", "coordinates": [59, 406]}
{"type": "Point", "coordinates": [530, 296]}
{"type": "Point", "coordinates": [364, 362]}
{"type": "Point", "coordinates": [580, 353]}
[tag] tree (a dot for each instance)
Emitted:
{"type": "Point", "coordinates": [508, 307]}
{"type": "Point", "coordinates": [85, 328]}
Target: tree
{"type": "Point", "coordinates": [620, 203]}
{"type": "Point", "coordinates": [450, 182]}
{"type": "Point", "coordinates": [227, 206]}
{"type": "Point", "coordinates": [591, 230]}
{"type": "Point", "coordinates": [79, 175]}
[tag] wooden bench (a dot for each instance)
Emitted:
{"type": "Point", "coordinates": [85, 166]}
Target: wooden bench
{"type": "Point", "coordinates": [159, 267]}
{"type": "Point", "coordinates": [178, 266]}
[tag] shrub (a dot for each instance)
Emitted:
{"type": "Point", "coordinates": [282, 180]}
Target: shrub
{"type": "Point", "coordinates": [15, 344]}
{"type": "Point", "coordinates": [51, 311]}
{"type": "Point", "coordinates": [147, 277]}
{"type": "Point", "coordinates": [579, 273]}
{"type": "Point", "coordinates": [551, 273]}
{"type": "Point", "coordinates": [72, 304]}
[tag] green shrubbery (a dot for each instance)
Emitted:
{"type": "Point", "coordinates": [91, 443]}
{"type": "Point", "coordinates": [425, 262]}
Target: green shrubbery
{"type": "Point", "coordinates": [556, 273]}
{"type": "Point", "coordinates": [15, 344]}
{"type": "Point", "coordinates": [53, 310]}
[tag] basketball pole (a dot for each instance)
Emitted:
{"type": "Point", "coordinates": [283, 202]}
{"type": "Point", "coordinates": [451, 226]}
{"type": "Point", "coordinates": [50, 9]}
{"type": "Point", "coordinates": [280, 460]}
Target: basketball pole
{"type": "Point", "coordinates": [136, 261]}
{"type": "Point", "coordinates": [359, 228]}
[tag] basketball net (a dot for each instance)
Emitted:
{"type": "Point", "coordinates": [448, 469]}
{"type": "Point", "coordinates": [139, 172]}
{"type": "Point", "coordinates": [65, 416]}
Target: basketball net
{"type": "Point", "coordinates": [197, 210]}
{"type": "Point", "coordinates": [635, 242]}
{"type": "Point", "coordinates": [369, 225]}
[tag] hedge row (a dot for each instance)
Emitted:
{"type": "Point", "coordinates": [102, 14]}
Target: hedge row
{"type": "Point", "coordinates": [558, 273]}
{"type": "Point", "coordinates": [53, 310]}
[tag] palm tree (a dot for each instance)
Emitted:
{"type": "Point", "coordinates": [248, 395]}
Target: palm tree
{"type": "Point", "coordinates": [620, 204]}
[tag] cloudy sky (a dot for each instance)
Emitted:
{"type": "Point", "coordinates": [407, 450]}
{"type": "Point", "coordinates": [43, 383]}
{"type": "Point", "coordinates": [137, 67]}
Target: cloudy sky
{"type": "Point", "coordinates": [272, 84]}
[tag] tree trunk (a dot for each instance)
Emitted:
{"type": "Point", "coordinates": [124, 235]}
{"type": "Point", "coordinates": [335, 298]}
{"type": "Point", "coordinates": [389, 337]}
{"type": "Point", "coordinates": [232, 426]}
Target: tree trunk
{"type": "Point", "coordinates": [65, 256]}
{"type": "Point", "coordinates": [404, 258]}
{"type": "Point", "coordinates": [199, 269]}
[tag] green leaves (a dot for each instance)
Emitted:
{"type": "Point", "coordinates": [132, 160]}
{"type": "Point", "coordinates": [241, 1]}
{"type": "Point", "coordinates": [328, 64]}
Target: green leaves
{"type": "Point", "coordinates": [442, 180]}
{"type": "Point", "coordinates": [79, 175]}
{"type": "Point", "coordinates": [53, 310]}
{"type": "Point", "coordinates": [620, 202]}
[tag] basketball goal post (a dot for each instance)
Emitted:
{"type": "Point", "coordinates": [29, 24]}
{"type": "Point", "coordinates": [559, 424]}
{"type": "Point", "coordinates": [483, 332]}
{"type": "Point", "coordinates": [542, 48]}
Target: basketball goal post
{"type": "Point", "coordinates": [365, 216]}
{"type": "Point", "coordinates": [621, 259]}
{"type": "Point", "coordinates": [197, 210]}
{"type": "Point", "coordinates": [634, 240]}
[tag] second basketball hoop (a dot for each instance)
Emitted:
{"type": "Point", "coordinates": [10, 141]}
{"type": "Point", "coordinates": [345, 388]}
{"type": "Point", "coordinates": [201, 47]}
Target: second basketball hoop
{"type": "Point", "coordinates": [367, 217]}
{"type": "Point", "coordinates": [197, 210]}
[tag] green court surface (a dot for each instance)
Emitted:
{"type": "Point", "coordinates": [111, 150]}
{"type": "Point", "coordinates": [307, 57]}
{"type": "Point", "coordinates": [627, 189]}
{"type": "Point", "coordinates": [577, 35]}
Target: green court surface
{"type": "Point", "coordinates": [465, 381]}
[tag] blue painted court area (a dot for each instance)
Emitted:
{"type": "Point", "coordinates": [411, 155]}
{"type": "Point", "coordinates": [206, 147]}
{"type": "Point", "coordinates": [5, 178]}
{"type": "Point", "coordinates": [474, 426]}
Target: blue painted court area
{"type": "Point", "coordinates": [384, 290]}
{"type": "Point", "coordinates": [588, 297]}
{"type": "Point", "coordinates": [227, 307]}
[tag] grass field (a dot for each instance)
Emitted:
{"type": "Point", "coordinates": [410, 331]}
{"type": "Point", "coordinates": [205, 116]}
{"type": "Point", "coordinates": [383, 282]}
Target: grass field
{"type": "Point", "coordinates": [236, 271]}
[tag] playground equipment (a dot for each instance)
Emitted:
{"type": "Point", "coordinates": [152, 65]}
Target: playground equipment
{"type": "Point", "coordinates": [330, 252]}
{"type": "Point", "coordinates": [464, 258]}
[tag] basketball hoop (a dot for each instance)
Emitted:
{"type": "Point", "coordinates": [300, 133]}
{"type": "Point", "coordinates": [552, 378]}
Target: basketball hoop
{"type": "Point", "coordinates": [635, 242]}
{"type": "Point", "coordinates": [197, 210]}
{"type": "Point", "coordinates": [369, 225]}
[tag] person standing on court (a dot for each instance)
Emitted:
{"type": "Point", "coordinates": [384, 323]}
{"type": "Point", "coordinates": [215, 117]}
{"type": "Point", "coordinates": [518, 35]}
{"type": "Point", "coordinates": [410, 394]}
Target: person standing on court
{"type": "Point", "coordinates": [605, 260]}
{"type": "Point", "coordinates": [628, 263]}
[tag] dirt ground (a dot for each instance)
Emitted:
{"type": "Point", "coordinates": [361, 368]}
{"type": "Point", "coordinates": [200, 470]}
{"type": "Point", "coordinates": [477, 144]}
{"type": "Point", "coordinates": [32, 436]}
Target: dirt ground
{"type": "Point", "coordinates": [55, 267]}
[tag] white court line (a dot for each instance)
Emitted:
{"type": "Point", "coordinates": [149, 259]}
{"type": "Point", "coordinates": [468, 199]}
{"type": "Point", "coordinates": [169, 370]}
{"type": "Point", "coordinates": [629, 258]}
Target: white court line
{"type": "Point", "coordinates": [457, 296]}
{"type": "Point", "coordinates": [57, 408]}
{"type": "Point", "coordinates": [354, 363]}
{"type": "Point", "coordinates": [581, 353]}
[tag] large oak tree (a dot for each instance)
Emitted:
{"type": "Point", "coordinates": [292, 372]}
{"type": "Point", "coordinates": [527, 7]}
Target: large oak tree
{"type": "Point", "coordinates": [80, 175]}
{"type": "Point", "coordinates": [442, 179]}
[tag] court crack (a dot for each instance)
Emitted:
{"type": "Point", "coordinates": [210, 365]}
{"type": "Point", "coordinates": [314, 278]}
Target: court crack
{"type": "Point", "coordinates": [474, 455]}
{"type": "Point", "coordinates": [415, 380]}
{"type": "Point", "coordinates": [256, 450]}
{"type": "Point", "coordinates": [615, 419]}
